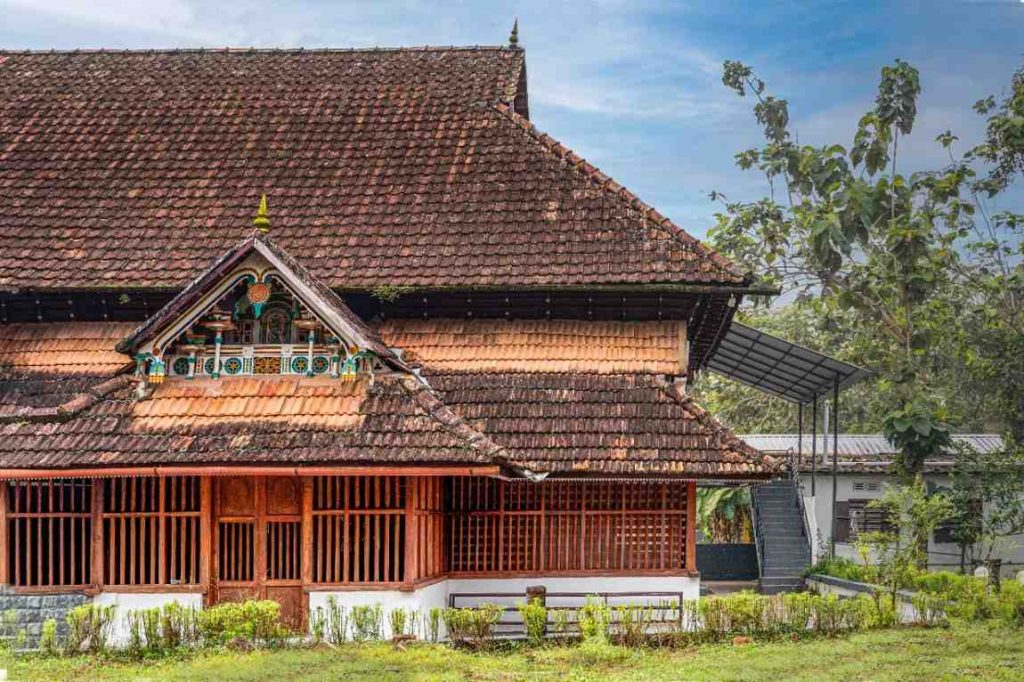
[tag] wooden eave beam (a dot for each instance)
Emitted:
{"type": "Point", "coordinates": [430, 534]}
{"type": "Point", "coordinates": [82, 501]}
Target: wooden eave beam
{"type": "Point", "coordinates": [110, 472]}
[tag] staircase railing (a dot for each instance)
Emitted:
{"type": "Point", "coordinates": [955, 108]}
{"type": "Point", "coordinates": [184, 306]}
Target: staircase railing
{"type": "Point", "coordinates": [758, 532]}
{"type": "Point", "coordinates": [794, 474]}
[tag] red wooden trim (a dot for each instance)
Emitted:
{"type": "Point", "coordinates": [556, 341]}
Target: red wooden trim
{"type": "Point", "coordinates": [97, 532]}
{"type": "Point", "coordinates": [411, 531]}
{"type": "Point", "coordinates": [307, 530]}
{"type": "Point", "coordinates": [4, 552]}
{"type": "Point", "coordinates": [109, 472]}
{"type": "Point", "coordinates": [205, 531]}
{"type": "Point", "coordinates": [691, 526]}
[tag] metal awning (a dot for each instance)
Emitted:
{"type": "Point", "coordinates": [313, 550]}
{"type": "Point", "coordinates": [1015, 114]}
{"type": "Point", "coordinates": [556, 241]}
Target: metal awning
{"type": "Point", "coordinates": [779, 367]}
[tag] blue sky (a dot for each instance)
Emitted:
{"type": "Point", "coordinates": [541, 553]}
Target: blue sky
{"type": "Point", "coordinates": [634, 86]}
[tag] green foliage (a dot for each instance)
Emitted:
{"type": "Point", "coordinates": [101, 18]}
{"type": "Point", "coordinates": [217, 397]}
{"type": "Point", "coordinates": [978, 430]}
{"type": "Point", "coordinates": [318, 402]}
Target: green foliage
{"type": "Point", "coordinates": [89, 628]}
{"type": "Point", "coordinates": [633, 624]}
{"type": "Point", "coordinates": [397, 619]}
{"type": "Point", "coordinates": [389, 293]}
{"type": "Point", "coordinates": [337, 621]}
{"type": "Point", "coordinates": [987, 494]}
{"type": "Point", "coordinates": [535, 620]}
{"type": "Point", "coordinates": [593, 619]}
{"type": "Point", "coordinates": [433, 623]}
{"type": "Point", "coordinates": [48, 638]}
{"type": "Point", "coordinates": [256, 622]}
{"type": "Point", "coordinates": [367, 622]}
{"type": "Point", "coordinates": [900, 552]}
{"type": "Point", "coordinates": [846, 569]}
{"type": "Point", "coordinates": [472, 626]}
{"type": "Point", "coordinates": [787, 615]}
{"type": "Point", "coordinates": [916, 268]}
{"type": "Point", "coordinates": [724, 514]}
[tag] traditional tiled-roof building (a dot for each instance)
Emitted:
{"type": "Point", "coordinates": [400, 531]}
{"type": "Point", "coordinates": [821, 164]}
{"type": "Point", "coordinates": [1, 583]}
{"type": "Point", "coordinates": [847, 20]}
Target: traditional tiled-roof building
{"type": "Point", "coordinates": [451, 356]}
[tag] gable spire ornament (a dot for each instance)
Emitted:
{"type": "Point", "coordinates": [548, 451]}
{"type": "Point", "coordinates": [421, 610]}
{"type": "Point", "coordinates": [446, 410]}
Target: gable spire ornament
{"type": "Point", "coordinates": [513, 38]}
{"type": "Point", "coordinates": [261, 220]}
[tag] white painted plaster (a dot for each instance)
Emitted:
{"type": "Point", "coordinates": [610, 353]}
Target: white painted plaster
{"type": "Point", "coordinates": [125, 602]}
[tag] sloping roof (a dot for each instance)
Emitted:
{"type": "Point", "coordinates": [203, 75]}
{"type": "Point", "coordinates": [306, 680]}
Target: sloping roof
{"type": "Point", "coordinates": [778, 367]}
{"type": "Point", "coordinates": [604, 424]}
{"type": "Point", "coordinates": [383, 167]}
{"type": "Point", "coordinates": [50, 369]}
{"type": "Point", "coordinates": [324, 302]}
{"type": "Point", "coordinates": [78, 349]}
{"type": "Point", "coordinates": [864, 453]}
{"type": "Point", "coordinates": [266, 420]}
{"type": "Point", "coordinates": [540, 345]}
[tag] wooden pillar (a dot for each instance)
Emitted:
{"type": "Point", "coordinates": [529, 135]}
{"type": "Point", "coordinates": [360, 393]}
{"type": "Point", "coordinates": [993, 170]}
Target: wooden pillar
{"type": "Point", "coordinates": [412, 548]}
{"type": "Point", "coordinates": [4, 552]}
{"type": "Point", "coordinates": [205, 531]}
{"type": "Point", "coordinates": [260, 539]}
{"type": "Point", "coordinates": [307, 531]}
{"type": "Point", "coordinates": [691, 526]}
{"type": "Point", "coordinates": [98, 552]}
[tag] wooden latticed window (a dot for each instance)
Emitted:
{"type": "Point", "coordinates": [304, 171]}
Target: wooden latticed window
{"type": "Point", "coordinates": [151, 530]}
{"type": "Point", "coordinates": [566, 527]}
{"type": "Point", "coordinates": [854, 517]}
{"type": "Point", "coordinates": [49, 533]}
{"type": "Point", "coordinates": [359, 529]}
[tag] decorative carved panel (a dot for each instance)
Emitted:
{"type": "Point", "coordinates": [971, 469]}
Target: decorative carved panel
{"type": "Point", "coordinates": [237, 496]}
{"type": "Point", "coordinates": [283, 496]}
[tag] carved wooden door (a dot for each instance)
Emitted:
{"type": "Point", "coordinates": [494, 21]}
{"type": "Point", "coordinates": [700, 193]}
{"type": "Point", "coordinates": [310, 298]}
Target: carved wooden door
{"type": "Point", "coordinates": [258, 543]}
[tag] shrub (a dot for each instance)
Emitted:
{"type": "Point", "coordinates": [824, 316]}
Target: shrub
{"type": "Point", "coordinates": [535, 620]}
{"type": "Point", "coordinates": [433, 623]}
{"type": "Point", "coordinates": [48, 637]}
{"type": "Point", "coordinates": [367, 622]}
{"type": "Point", "coordinates": [89, 628]}
{"type": "Point", "coordinates": [397, 619]}
{"type": "Point", "coordinates": [256, 622]}
{"type": "Point", "coordinates": [472, 626]}
{"type": "Point", "coordinates": [560, 621]}
{"type": "Point", "coordinates": [178, 625]}
{"type": "Point", "coordinates": [633, 622]}
{"type": "Point", "coordinates": [317, 625]}
{"type": "Point", "coordinates": [337, 621]}
{"type": "Point", "coordinates": [593, 619]}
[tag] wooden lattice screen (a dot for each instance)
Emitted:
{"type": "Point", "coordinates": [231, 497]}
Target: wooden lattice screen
{"type": "Point", "coordinates": [151, 530]}
{"type": "Point", "coordinates": [604, 526]}
{"type": "Point", "coordinates": [359, 529]}
{"type": "Point", "coordinates": [49, 533]}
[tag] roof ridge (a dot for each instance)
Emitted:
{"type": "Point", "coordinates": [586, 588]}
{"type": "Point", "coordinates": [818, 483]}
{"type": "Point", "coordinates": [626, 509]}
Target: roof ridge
{"type": "Point", "coordinates": [263, 50]}
{"type": "Point", "coordinates": [594, 174]}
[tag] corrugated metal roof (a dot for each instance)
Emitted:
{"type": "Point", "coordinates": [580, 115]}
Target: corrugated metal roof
{"type": "Point", "coordinates": [860, 444]}
{"type": "Point", "coordinates": [779, 367]}
{"type": "Point", "coordinates": [863, 453]}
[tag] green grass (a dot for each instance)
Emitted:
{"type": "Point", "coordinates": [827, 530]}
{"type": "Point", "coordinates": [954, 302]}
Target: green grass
{"type": "Point", "coordinates": [961, 653]}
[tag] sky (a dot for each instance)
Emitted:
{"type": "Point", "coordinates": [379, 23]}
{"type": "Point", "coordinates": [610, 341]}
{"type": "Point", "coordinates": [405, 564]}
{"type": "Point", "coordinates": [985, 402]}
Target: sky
{"type": "Point", "coordinates": [633, 86]}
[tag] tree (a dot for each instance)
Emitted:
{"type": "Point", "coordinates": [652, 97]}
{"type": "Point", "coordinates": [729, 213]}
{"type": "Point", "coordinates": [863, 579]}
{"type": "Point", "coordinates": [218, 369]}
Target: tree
{"type": "Point", "coordinates": [901, 551]}
{"type": "Point", "coordinates": [987, 496]}
{"type": "Point", "coordinates": [724, 514]}
{"type": "Point", "coordinates": [889, 252]}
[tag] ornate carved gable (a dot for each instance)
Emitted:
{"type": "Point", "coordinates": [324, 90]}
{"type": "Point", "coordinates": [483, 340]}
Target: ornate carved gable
{"type": "Point", "coordinates": [256, 311]}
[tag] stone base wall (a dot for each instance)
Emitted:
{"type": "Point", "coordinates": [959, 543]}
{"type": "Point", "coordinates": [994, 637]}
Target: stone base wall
{"type": "Point", "coordinates": [33, 610]}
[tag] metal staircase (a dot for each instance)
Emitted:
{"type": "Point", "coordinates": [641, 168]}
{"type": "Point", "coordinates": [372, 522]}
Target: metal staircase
{"type": "Point", "coordinates": [783, 543]}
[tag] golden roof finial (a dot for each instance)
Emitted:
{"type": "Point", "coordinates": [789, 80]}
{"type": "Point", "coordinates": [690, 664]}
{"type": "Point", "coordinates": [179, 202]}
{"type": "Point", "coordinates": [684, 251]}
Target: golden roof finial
{"type": "Point", "coordinates": [260, 220]}
{"type": "Point", "coordinates": [513, 39]}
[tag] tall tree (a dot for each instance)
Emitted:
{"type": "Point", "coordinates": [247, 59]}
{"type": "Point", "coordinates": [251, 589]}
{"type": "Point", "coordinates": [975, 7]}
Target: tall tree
{"type": "Point", "coordinates": [924, 276]}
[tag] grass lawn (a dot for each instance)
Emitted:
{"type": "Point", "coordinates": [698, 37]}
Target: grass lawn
{"type": "Point", "coordinates": [961, 653]}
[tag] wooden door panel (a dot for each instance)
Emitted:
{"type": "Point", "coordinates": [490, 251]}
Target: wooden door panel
{"type": "Point", "coordinates": [259, 544]}
{"type": "Point", "coordinates": [293, 604]}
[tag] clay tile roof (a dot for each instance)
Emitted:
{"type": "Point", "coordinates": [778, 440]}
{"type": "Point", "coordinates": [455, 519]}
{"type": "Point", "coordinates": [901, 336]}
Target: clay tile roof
{"type": "Point", "coordinates": [603, 424]}
{"type": "Point", "coordinates": [384, 168]}
{"type": "Point", "coordinates": [447, 345]}
{"type": "Point", "coordinates": [62, 348]}
{"type": "Point", "coordinates": [393, 420]}
{"type": "Point", "coordinates": [48, 369]}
